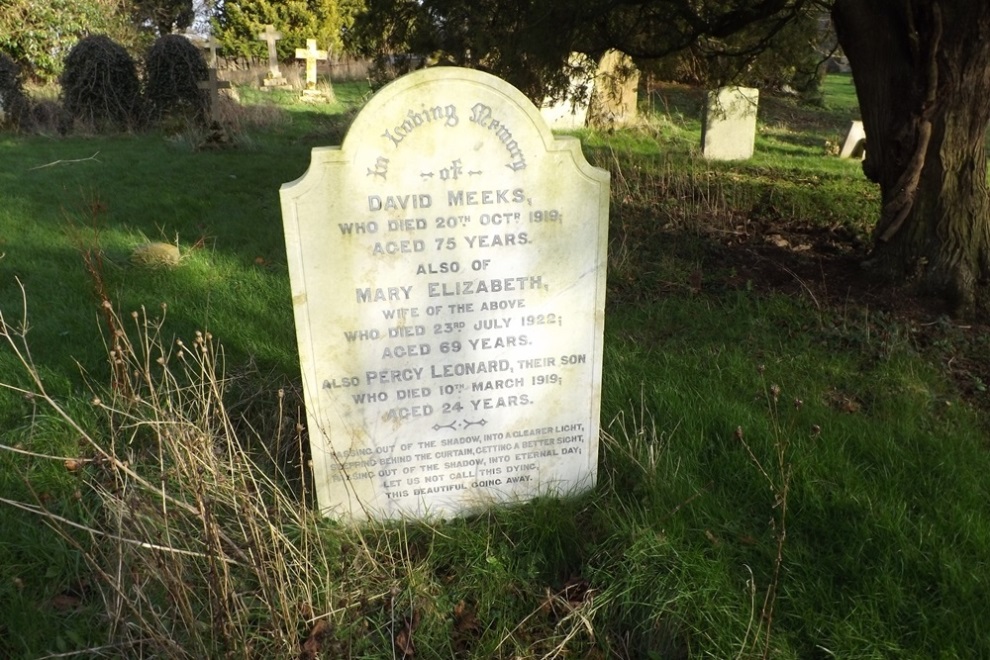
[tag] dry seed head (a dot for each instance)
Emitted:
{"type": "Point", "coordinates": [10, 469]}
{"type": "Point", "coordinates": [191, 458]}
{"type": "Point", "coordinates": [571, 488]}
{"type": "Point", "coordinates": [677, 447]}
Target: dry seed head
{"type": "Point", "coordinates": [134, 314]}
{"type": "Point", "coordinates": [798, 403]}
{"type": "Point", "coordinates": [96, 401]}
{"type": "Point", "coordinates": [775, 391]}
{"type": "Point", "coordinates": [815, 430]}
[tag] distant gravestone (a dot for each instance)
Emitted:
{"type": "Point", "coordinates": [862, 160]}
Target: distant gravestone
{"type": "Point", "coordinates": [447, 265]}
{"type": "Point", "coordinates": [855, 144]}
{"type": "Point", "coordinates": [212, 45]}
{"type": "Point", "coordinates": [729, 129]}
{"type": "Point", "coordinates": [311, 54]}
{"type": "Point", "coordinates": [616, 94]}
{"type": "Point", "coordinates": [212, 85]}
{"type": "Point", "coordinates": [570, 110]}
{"type": "Point", "coordinates": [274, 77]}
{"type": "Point", "coordinates": [605, 98]}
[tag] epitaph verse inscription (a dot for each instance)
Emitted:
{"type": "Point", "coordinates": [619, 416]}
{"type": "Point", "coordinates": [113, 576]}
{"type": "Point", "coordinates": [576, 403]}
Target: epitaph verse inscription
{"type": "Point", "coordinates": [447, 268]}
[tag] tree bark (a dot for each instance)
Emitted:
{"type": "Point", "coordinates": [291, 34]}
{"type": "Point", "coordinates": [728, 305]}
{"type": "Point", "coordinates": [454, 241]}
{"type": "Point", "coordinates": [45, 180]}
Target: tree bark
{"type": "Point", "coordinates": [922, 75]}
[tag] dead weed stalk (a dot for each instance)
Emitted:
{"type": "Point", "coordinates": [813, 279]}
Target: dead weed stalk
{"type": "Point", "coordinates": [195, 549]}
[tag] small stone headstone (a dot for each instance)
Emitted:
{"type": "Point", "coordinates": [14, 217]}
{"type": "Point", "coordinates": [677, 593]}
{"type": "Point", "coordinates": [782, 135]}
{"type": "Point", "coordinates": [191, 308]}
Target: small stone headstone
{"type": "Point", "coordinates": [447, 266]}
{"type": "Point", "coordinates": [855, 144]}
{"type": "Point", "coordinates": [729, 128]}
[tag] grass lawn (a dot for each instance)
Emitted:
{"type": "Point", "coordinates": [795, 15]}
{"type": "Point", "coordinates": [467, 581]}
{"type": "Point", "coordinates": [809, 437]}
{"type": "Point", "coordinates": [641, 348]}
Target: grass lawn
{"type": "Point", "coordinates": [793, 458]}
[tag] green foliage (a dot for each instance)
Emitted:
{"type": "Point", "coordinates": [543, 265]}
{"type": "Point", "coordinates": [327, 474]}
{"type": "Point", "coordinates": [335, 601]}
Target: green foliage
{"type": "Point", "coordinates": [790, 57]}
{"type": "Point", "coordinates": [166, 16]}
{"type": "Point", "coordinates": [39, 35]}
{"type": "Point", "coordinates": [100, 85]}
{"type": "Point", "coordinates": [237, 25]}
{"type": "Point", "coordinates": [530, 43]}
{"type": "Point", "coordinates": [173, 69]}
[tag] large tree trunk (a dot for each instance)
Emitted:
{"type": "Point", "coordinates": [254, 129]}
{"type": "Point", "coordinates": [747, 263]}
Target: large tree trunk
{"type": "Point", "coordinates": [922, 75]}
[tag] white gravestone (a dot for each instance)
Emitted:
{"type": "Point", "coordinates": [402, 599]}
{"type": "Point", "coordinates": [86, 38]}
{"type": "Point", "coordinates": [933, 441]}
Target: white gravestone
{"type": "Point", "coordinates": [855, 144]}
{"type": "Point", "coordinates": [729, 129]}
{"type": "Point", "coordinates": [447, 265]}
{"type": "Point", "coordinates": [571, 110]}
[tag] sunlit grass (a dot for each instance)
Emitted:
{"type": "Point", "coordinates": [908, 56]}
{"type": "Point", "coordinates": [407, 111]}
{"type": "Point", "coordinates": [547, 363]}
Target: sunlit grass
{"type": "Point", "coordinates": [718, 404]}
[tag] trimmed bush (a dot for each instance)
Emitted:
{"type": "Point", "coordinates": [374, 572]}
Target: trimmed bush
{"type": "Point", "coordinates": [174, 67]}
{"type": "Point", "coordinates": [100, 87]}
{"type": "Point", "coordinates": [15, 107]}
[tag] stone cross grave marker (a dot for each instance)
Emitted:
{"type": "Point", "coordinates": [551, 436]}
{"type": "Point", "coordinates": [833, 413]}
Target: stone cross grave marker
{"type": "Point", "coordinates": [274, 77]}
{"type": "Point", "coordinates": [212, 45]}
{"type": "Point", "coordinates": [729, 128]}
{"type": "Point", "coordinates": [311, 54]}
{"type": "Point", "coordinates": [447, 266]}
{"type": "Point", "coordinates": [213, 85]}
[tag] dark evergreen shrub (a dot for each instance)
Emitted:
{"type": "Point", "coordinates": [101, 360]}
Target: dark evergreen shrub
{"type": "Point", "coordinates": [100, 85]}
{"type": "Point", "coordinates": [15, 107]}
{"type": "Point", "coordinates": [174, 67]}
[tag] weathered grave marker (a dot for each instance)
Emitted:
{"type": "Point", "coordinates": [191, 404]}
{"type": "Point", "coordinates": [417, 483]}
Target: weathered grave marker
{"type": "Point", "coordinates": [274, 77]}
{"type": "Point", "coordinates": [311, 54]}
{"type": "Point", "coordinates": [729, 129]}
{"type": "Point", "coordinates": [448, 279]}
{"type": "Point", "coordinates": [213, 85]}
{"type": "Point", "coordinates": [604, 98]}
{"type": "Point", "coordinates": [855, 144]}
{"type": "Point", "coordinates": [616, 95]}
{"type": "Point", "coordinates": [212, 45]}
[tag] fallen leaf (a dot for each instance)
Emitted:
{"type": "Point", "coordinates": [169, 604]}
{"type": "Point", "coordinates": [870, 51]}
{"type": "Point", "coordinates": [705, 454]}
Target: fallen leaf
{"type": "Point", "coordinates": [63, 602]}
{"type": "Point", "coordinates": [314, 642]}
{"type": "Point", "coordinates": [404, 638]}
{"type": "Point", "coordinates": [464, 618]}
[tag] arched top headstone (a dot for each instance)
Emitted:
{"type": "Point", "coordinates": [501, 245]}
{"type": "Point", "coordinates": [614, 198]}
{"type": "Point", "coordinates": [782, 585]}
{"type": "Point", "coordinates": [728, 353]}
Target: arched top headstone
{"type": "Point", "coordinates": [447, 264]}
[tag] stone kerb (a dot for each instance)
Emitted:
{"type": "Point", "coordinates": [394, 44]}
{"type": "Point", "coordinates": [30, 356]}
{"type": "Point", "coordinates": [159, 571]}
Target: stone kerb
{"type": "Point", "coordinates": [729, 128]}
{"type": "Point", "coordinates": [448, 267]}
